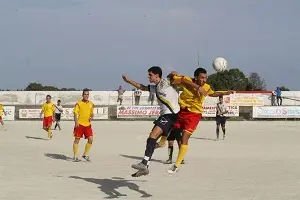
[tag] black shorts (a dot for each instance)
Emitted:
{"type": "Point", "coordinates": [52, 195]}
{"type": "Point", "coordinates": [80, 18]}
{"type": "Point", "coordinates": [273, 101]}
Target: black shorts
{"type": "Point", "coordinates": [166, 122]}
{"type": "Point", "coordinates": [57, 116]}
{"type": "Point", "coordinates": [221, 120]}
{"type": "Point", "coordinates": [176, 134]}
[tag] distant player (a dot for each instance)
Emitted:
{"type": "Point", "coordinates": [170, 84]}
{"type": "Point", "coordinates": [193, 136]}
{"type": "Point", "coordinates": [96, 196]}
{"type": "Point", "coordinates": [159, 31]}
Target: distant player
{"type": "Point", "coordinates": [48, 111]}
{"type": "Point", "coordinates": [167, 95]}
{"type": "Point", "coordinates": [58, 111]}
{"type": "Point", "coordinates": [176, 134]}
{"type": "Point", "coordinates": [83, 114]}
{"type": "Point", "coordinates": [2, 111]}
{"type": "Point", "coordinates": [220, 118]}
{"type": "Point", "coordinates": [191, 109]}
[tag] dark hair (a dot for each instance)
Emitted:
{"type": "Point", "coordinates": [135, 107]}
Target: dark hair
{"type": "Point", "coordinates": [48, 96]}
{"type": "Point", "coordinates": [221, 97]}
{"type": "Point", "coordinates": [58, 100]}
{"type": "Point", "coordinates": [85, 90]}
{"type": "Point", "coordinates": [156, 70]}
{"type": "Point", "coordinates": [199, 71]}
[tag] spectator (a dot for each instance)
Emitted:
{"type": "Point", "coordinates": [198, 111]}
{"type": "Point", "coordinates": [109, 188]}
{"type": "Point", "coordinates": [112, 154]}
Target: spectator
{"type": "Point", "coordinates": [137, 96]}
{"type": "Point", "coordinates": [273, 96]}
{"type": "Point", "coordinates": [151, 98]}
{"type": "Point", "coordinates": [278, 96]}
{"type": "Point", "coordinates": [120, 94]}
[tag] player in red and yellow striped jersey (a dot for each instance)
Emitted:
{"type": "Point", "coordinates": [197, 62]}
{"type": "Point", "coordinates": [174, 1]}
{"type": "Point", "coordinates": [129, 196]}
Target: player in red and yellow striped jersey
{"type": "Point", "coordinates": [2, 111]}
{"type": "Point", "coordinates": [48, 109]}
{"type": "Point", "coordinates": [83, 113]}
{"type": "Point", "coordinates": [190, 113]}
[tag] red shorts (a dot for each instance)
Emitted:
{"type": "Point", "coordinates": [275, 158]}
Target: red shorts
{"type": "Point", "coordinates": [0, 118]}
{"type": "Point", "coordinates": [47, 122]}
{"type": "Point", "coordinates": [81, 131]}
{"type": "Point", "coordinates": [187, 121]}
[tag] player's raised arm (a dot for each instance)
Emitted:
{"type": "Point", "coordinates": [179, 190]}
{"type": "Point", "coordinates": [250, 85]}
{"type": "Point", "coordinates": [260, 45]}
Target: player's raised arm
{"type": "Point", "coordinates": [135, 84]}
{"type": "Point", "coordinates": [182, 80]}
{"type": "Point", "coordinates": [218, 94]}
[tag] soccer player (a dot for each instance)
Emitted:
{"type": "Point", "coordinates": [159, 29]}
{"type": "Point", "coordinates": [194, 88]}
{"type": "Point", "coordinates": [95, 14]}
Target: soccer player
{"type": "Point", "coordinates": [83, 114]}
{"type": "Point", "coordinates": [167, 95]}
{"type": "Point", "coordinates": [1, 120]}
{"type": "Point", "coordinates": [190, 109]}
{"type": "Point", "coordinates": [48, 111]}
{"type": "Point", "coordinates": [176, 134]}
{"type": "Point", "coordinates": [220, 118]}
{"type": "Point", "coordinates": [58, 111]}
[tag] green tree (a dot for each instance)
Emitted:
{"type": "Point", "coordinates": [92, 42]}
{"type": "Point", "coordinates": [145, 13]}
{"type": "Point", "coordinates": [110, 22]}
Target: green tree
{"type": "Point", "coordinates": [255, 82]}
{"type": "Point", "coordinates": [232, 79]}
{"type": "Point", "coordinates": [34, 87]}
{"type": "Point", "coordinates": [282, 88]}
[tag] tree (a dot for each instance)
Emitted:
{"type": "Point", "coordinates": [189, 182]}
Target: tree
{"type": "Point", "coordinates": [234, 79]}
{"type": "Point", "coordinates": [282, 88]}
{"type": "Point", "coordinates": [255, 82]}
{"type": "Point", "coordinates": [34, 87]}
{"type": "Point", "coordinates": [40, 87]}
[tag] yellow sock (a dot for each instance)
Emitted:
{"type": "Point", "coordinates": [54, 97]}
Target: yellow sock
{"type": "Point", "coordinates": [49, 133]}
{"type": "Point", "coordinates": [75, 149]}
{"type": "Point", "coordinates": [163, 140]}
{"type": "Point", "coordinates": [87, 148]}
{"type": "Point", "coordinates": [181, 154]}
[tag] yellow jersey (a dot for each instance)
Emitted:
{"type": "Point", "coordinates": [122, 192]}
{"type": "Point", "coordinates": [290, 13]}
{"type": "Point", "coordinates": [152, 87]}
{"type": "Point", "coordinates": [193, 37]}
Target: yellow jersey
{"type": "Point", "coordinates": [1, 110]}
{"type": "Point", "coordinates": [84, 111]}
{"type": "Point", "coordinates": [189, 98]}
{"type": "Point", "coordinates": [48, 109]}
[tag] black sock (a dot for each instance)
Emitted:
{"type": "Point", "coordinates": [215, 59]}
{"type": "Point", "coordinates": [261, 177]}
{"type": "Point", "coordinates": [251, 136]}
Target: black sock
{"type": "Point", "coordinates": [170, 152]}
{"type": "Point", "coordinates": [55, 126]}
{"type": "Point", "coordinates": [223, 129]}
{"type": "Point", "coordinates": [149, 151]}
{"type": "Point", "coordinates": [218, 130]}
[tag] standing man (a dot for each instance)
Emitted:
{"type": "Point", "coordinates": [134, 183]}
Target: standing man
{"type": "Point", "coordinates": [58, 111]}
{"type": "Point", "coordinates": [278, 96]}
{"type": "Point", "coordinates": [220, 118]}
{"type": "Point", "coordinates": [83, 114]}
{"type": "Point", "coordinates": [137, 96]}
{"type": "Point", "coordinates": [120, 94]}
{"type": "Point", "coordinates": [48, 111]}
{"type": "Point", "coordinates": [1, 120]}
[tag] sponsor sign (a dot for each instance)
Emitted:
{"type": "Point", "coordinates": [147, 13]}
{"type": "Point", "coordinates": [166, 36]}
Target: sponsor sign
{"type": "Point", "coordinates": [244, 100]}
{"type": "Point", "coordinates": [9, 114]}
{"type": "Point", "coordinates": [276, 112]}
{"type": "Point", "coordinates": [211, 111]}
{"type": "Point", "coordinates": [67, 114]}
{"type": "Point", "coordinates": [138, 111]}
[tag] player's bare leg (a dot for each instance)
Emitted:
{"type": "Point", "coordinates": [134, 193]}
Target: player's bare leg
{"type": "Point", "coordinates": [75, 149]}
{"type": "Point", "coordinates": [217, 131]}
{"type": "Point", "coordinates": [87, 149]}
{"type": "Point", "coordinates": [142, 167]}
{"type": "Point", "coordinates": [183, 149]}
{"type": "Point", "coordinates": [224, 131]}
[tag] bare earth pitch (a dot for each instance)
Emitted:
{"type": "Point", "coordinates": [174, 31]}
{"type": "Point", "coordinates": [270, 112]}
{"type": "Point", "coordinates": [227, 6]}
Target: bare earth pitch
{"type": "Point", "coordinates": [257, 161]}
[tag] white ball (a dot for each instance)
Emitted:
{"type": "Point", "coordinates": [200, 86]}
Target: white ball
{"type": "Point", "coordinates": [220, 64]}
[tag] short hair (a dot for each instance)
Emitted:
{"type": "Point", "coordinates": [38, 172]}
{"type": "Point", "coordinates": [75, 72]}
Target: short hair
{"type": "Point", "coordinates": [156, 70]}
{"type": "Point", "coordinates": [221, 97]}
{"type": "Point", "coordinates": [48, 96]}
{"type": "Point", "coordinates": [199, 71]}
{"type": "Point", "coordinates": [58, 100]}
{"type": "Point", "coordinates": [85, 90]}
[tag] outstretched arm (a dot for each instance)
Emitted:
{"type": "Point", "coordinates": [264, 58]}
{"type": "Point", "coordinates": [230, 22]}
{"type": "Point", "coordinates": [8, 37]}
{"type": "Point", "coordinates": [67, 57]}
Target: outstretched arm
{"type": "Point", "coordinates": [135, 84]}
{"type": "Point", "coordinates": [218, 94]}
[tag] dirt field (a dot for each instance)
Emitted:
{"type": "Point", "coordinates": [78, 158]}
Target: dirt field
{"type": "Point", "coordinates": [257, 161]}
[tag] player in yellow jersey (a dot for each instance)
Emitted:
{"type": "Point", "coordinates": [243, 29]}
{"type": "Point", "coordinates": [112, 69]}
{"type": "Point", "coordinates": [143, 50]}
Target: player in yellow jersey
{"type": "Point", "coordinates": [83, 114]}
{"type": "Point", "coordinates": [190, 113]}
{"type": "Point", "coordinates": [48, 109]}
{"type": "Point", "coordinates": [2, 111]}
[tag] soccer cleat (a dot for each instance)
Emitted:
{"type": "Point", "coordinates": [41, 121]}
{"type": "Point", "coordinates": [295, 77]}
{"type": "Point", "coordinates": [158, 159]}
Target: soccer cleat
{"type": "Point", "coordinates": [173, 169]}
{"type": "Point", "coordinates": [75, 159]}
{"type": "Point", "coordinates": [169, 161]}
{"type": "Point", "coordinates": [141, 173]}
{"type": "Point", "coordinates": [182, 162]}
{"type": "Point", "coordinates": [139, 166]}
{"type": "Point", "coordinates": [87, 158]}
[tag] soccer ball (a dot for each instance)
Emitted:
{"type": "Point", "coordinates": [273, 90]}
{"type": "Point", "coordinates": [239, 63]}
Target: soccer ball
{"type": "Point", "coordinates": [220, 64]}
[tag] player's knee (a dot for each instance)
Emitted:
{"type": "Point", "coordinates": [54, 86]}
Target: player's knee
{"type": "Point", "coordinates": [76, 140]}
{"type": "Point", "coordinates": [90, 140]}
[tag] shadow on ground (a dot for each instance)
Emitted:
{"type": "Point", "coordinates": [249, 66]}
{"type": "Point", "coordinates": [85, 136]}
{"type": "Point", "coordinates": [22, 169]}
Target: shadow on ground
{"type": "Point", "coordinates": [110, 186]}
{"type": "Point", "coordinates": [36, 138]}
{"type": "Point", "coordinates": [202, 138]}
{"type": "Point", "coordinates": [139, 158]}
{"type": "Point", "coordinates": [58, 156]}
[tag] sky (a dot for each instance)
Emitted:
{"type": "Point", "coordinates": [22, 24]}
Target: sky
{"type": "Point", "coordinates": [90, 43]}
